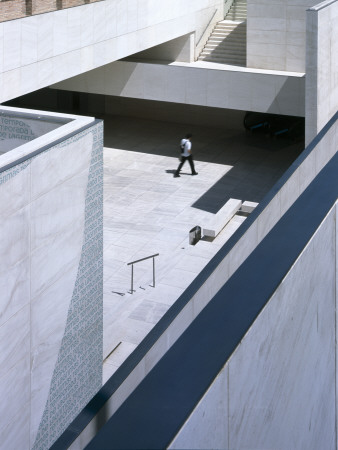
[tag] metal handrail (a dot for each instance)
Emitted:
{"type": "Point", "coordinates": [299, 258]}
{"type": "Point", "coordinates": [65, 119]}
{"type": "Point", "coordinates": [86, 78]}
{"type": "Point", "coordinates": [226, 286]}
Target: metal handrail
{"type": "Point", "coordinates": [132, 270]}
{"type": "Point", "coordinates": [205, 29]}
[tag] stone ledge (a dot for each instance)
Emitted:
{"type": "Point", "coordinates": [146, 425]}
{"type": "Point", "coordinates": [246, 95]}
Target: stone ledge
{"type": "Point", "coordinates": [222, 217]}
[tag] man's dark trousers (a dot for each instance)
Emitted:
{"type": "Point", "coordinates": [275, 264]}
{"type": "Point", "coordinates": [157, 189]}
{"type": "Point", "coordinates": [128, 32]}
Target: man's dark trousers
{"type": "Point", "coordinates": [184, 159]}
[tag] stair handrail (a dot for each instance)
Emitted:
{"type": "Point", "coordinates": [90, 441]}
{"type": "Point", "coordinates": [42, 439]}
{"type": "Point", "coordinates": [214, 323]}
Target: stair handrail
{"type": "Point", "coordinates": [205, 29]}
{"type": "Point", "coordinates": [226, 8]}
{"type": "Point", "coordinates": [132, 270]}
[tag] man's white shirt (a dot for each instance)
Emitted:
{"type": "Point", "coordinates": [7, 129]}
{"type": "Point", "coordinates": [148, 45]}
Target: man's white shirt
{"type": "Point", "coordinates": [187, 146]}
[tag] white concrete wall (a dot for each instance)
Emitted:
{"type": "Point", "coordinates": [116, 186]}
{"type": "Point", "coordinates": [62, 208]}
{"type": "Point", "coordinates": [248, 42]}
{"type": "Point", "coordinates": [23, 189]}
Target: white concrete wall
{"type": "Point", "coordinates": [321, 66]}
{"type": "Point", "coordinates": [276, 34]}
{"type": "Point", "coordinates": [241, 89]}
{"type": "Point", "coordinates": [45, 315]}
{"type": "Point", "coordinates": [278, 388]}
{"type": "Point", "coordinates": [181, 49]}
{"type": "Point", "coordinates": [44, 49]}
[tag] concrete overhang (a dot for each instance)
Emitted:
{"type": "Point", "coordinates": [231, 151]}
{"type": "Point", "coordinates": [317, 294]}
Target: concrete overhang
{"type": "Point", "coordinates": [199, 83]}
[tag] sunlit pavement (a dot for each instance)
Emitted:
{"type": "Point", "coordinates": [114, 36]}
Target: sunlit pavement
{"type": "Point", "coordinates": [148, 211]}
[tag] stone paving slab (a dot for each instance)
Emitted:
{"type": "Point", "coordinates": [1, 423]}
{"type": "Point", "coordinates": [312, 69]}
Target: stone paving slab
{"type": "Point", "coordinates": [147, 211]}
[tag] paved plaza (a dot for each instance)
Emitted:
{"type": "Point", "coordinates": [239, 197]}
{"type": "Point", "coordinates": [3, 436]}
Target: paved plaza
{"type": "Point", "coordinates": [148, 211]}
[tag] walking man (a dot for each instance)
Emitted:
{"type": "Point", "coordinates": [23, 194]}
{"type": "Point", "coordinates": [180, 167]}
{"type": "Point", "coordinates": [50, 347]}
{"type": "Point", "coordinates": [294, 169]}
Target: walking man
{"type": "Point", "coordinates": [186, 155]}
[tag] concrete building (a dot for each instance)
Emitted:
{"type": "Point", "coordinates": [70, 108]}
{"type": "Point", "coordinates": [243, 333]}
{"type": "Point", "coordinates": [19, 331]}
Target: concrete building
{"type": "Point", "coordinates": [264, 376]}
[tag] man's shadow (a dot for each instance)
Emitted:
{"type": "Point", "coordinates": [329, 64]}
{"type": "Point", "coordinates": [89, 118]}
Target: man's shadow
{"type": "Point", "coordinates": [174, 171]}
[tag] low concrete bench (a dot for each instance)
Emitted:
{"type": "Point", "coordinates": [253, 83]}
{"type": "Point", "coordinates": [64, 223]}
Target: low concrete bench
{"type": "Point", "coordinates": [248, 207]}
{"type": "Point", "coordinates": [221, 218]}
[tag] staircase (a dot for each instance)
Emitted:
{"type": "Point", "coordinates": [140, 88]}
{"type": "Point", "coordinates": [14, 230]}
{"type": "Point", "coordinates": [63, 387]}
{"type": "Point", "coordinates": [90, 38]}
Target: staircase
{"type": "Point", "coordinates": [227, 42]}
{"type": "Point", "coordinates": [237, 11]}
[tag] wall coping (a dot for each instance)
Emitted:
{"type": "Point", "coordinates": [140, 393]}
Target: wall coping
{"type": "Point", "coordinates": [69, 126]}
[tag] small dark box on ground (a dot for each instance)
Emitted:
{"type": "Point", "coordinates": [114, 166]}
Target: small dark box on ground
{"type": "Point", "coordinates": [194, 235]}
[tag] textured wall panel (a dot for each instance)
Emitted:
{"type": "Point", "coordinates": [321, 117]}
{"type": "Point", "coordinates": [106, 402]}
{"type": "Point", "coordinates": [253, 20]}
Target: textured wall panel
{"type": "Point", "coordinates": [78, 372]}
{"type": "Point", "coordinates": [51, 288]}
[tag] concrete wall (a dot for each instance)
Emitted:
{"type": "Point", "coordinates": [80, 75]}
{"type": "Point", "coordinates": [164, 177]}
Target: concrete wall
{"type": "Point", "coordinates": [321, 66]}
{"type": "Point", "coordinates": [241, 89]}
{"type": "Point", "coordinates": [16, 131]}
{"type": "Point", "coordinates": [51, 285]}
{"type": "Point", "coordinates": [44, 49]}
{"type": "Point", "coordinates": [180, 49]}
{"type": "Point", "coordinates": [278, 388]}
{"type": "Point", "coordinates": [276, 34]}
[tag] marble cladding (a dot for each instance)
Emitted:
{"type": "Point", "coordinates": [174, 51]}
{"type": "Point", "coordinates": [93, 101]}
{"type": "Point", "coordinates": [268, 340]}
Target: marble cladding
{"type": "Point", "coordinates": [176, 50]}
{"type": "Point", "coordinates": [278, 388]}
{"type": "Point", "coordinates": [321, 67]}
{"type": "Point", "coordinates": [51, 284]}
{"type": "Point", "coordinates": [61, 44]}
{"type": "Point", "coordinates": [276, 34]}
{"type": "Point", "coordinates": [212, 409]}
{"type": "Point", "coordinates": [197, 84]}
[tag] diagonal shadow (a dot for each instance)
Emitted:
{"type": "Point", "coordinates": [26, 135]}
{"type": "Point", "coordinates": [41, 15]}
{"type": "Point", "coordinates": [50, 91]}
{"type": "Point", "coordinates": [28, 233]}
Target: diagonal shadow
{"type": "Point", "coordinates": [227, 49]}
{"type": "Point", "coordinates": [251, 177]}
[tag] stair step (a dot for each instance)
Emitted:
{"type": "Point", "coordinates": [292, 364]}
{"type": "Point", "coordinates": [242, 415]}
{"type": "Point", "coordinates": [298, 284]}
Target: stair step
{"type": "Point", "coordinates": [238, 9]}
{"type": "Point", "coordinates": [234, 32]}
{"type": "Point", "coordinates": [230, 36]}
{"type": "Point", "coordinates": [238, 48]}
{"type": "Point", "coordinates": [228, 42]}
{"type": "Point", "coordinates": [241, 55]}
{"type": "Point", "coordinates": [221, 61]}
{"type": "Point", "coordinates": [231, 24]}
{"type": "Point", "coordinates": [224, 55]}
{"type": "Point", "coordinates": [230, 50]}
{"type": "Point", "coordinates": [229, 32]}
{"type": "Point", "coordinates": [236, 13]}
{"type": "Point", "coordinates": [236, 17]}
{"type": "Point", "coordinates": [222, 58]}
{"type": "Point", "coordinates": [228, 29]}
